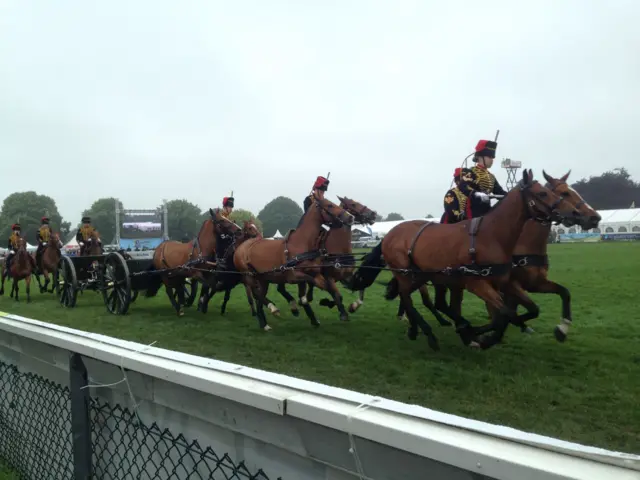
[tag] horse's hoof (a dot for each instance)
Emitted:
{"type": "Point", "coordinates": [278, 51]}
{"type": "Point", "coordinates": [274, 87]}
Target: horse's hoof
{"type": "Point", "coordinates": [475, 345]}
{"type": "Point", "coordinates": [412, 335]}
{"type": "Point", "coordinates": [352, 309]}
{"type": "Point", "coordinates": [528, 330]}
{"type": "Point", "coordinates": [295, 313]}
{"type": "Point", "coordinates": [433, 343]}
{"type": "Point", "coordinates": [444, 323]}
{"type": "Point", "coordinates": [344, 317]}
{"type": "Point", "coordinates": [325, 302]}
{"type": "Point", "coordinates": [266, 328]}
{"type": "Point", "coordinates": [181, 313]}
{"type": "Point", "coordinates": [560, 335]}
{"type": "Point", "coordinates": [315, 323]}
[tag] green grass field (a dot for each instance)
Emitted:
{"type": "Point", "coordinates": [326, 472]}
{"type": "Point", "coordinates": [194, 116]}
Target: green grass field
{"type": "Point", "coordinates": [585, 390]}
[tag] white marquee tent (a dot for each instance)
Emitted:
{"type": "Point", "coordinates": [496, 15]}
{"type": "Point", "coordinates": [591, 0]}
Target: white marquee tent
{"type": "Point", "coordinates": [380, 229]}
{"type": "Point", "coordinates": [613, 221]}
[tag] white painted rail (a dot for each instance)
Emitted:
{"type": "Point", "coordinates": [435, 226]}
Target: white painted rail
{"type": "Point", "coordinates": [297, 429]}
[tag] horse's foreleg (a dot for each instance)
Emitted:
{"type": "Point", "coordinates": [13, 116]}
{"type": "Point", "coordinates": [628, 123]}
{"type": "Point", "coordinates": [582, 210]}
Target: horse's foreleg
{"type": "Point", "coordinates": [357, 303]}
{"type": "Point", "coordinates": [178, 307]}
{"type": "Point", "coordinates": [426, 301]}
{"type": "Point", "coordinates": [203, 301]}
{"type": "Point", "coordinates": [293, 305]}
{"type": "Point", "coordinates": [515, 295]}
{"type": "Point", "coordinates": [259, 290]}
{"type": "Point", "coordinates": [502, 312]}
{"type": "Point", "coordinates": [332, 288]}
{"type": "Point", "coordinates": [15, 288]}
{"type": "Point", "coordinates": [250, 299]}
{"type": "Point", "coordinates": [28, 282]}
{"type": "Point", "coordinates": [3, 278]}
{"type": "Point", "coordinates": [302, 295]}
{"type": "Point", "coordinates": [225, 300]}
{"type": "Point", "coordinates": [547, 286]}
{"type": "Point", "coordinates": [46, 280]}
{"type": "Point", "coordinates": [415, 319]}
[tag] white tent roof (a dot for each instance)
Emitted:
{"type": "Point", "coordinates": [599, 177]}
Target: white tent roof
{"type": "Point", "coordinates": [382, 228]}
{"type": "Point", "coordinates": [627, 215]}
{"type": "Point", "coordinates": [277, 234]}
{"type": "Point", "coordinates": [73, 243]}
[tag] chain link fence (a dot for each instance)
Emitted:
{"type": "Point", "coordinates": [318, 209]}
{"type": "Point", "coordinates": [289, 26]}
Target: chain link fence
{"type": "Point", "coordinates": [36, 439]}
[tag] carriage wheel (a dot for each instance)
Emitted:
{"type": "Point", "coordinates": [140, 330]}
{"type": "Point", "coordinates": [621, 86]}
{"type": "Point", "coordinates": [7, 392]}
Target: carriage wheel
{"type": "Point", "coordinates": [66, 283]}
{"type": "Point", "coordinates": [116, 284]}
{"type": "Point", "coordinates": [134, 295]}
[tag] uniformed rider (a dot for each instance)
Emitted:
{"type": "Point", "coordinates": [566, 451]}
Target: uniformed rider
{"type": "Point", "coordinates": [44, 235]}
{"type": "Point", "coordinates": [484, 182]}
{"type": "Point", "coordinates": [455, 202]}
{"type": "Point", "coordinates": [13, 245]}
{"type": "Point", "coordinates": [320, 186]}
{"type": "Point", "coordinates": [224, 240]}
{"type": "Point", "coordinates": [84, 234]}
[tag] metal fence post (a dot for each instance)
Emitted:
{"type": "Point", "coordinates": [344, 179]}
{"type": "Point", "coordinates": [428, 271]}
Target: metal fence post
{"type": "Point", "coordinates": [80, 419]}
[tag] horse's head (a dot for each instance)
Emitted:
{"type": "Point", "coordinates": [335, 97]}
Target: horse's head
{"type": "Point", "coordinates": [362, 214]}
{"type": "Point", "coordinates": [587, 218]}
{"type": "Point", "coordinates": [55, 241]}
{"type": "Point", "coordinates": [543, 205]}
{"type": "Point", "coordinates": [222, 224]}
{"type": "Point", "coordinates": [333, 214]}
{"type": "Point", "coordinates": [22, 245]}
{"type": "Point", "coordinates": [250, 230]}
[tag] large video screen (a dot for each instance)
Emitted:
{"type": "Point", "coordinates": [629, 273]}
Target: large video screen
{"type": "Point", "coordinates": [143, 225]}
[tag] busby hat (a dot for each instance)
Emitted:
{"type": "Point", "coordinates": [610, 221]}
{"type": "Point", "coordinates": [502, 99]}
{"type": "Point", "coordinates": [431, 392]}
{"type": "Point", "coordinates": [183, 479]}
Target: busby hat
{"type": "Point", "coordinates": [86, 219]}
{"type": "Point", "coordinates": [486, 148]}
{"type": "Point", "coordinates": [227, 202]}
{"type": "Point", "coordinates": [15, 226]}
{"type": "Point", "coordinates": [44, 220]}
{"type": "Point", "coordinates": [321, 183]}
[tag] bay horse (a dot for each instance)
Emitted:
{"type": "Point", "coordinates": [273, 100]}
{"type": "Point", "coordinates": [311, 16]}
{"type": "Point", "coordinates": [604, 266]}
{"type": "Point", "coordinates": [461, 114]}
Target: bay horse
{"type": "Point", "coordinates": [294, 259]}
{"type": "Point", "coordinates": [21, 268]}
{"type": "Point", "coordinates": [49, 262]}
{"type": "Point", "coordinates": [176, 261]}
{"type": "Point", "coordinates": [341, 262]}
{"type": "Point", "coordinates": [473, 254]}
{"type": "Point", "coordinates": [531, 262]}
{"type": "Point", "coordinates": [93, 245]}
{"type": "Point", "coordinates": [226, 281]}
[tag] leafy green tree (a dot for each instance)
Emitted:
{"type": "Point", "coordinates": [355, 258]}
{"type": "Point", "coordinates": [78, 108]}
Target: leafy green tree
{"type": "Point", "coordinates": [379, 218]}
{"type": "Point", "coordinates": [28, 208]}
{"type": "Point", "coordinates": [103, 217]}
{"type": "Point", "coordinates": [282, 214]}
{"type": "Point", "coordinates": [184, 219]}
{"type": "Point", "coordinates": [612, 190]}
{"type": "Point", "coordinates": [393, 217]}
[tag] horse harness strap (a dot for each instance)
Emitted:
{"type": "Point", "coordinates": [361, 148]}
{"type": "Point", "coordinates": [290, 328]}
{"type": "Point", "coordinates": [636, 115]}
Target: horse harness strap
{"type": "Point", "coordinates": [530, 260]}
{"type": "Point", "coordinates": [473, 269]}
{"type": "Point", "coordinates": [474, 227]}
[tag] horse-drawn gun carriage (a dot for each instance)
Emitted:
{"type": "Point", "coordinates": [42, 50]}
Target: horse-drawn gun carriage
{"type": "Point", "coordinates": [117, 276]}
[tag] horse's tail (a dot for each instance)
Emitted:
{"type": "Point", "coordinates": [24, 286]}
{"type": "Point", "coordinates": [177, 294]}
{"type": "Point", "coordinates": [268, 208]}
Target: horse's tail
{"type": "Point", "coordinates": [393, 289]}
{"type": "Point", "coordinates": [154, 282]}
{"type": "Point", "coordinates": [368, 270]}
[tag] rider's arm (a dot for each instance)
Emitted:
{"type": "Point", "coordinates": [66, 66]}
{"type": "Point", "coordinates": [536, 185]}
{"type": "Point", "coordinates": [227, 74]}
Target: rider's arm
{"type": "Point", "coordinates": [451, 207]}
{"type": "Point", "coordinates": [497, 188]}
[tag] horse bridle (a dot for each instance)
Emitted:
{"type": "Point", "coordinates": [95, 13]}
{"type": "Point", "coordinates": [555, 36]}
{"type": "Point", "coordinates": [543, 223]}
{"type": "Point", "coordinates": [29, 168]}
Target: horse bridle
{"type": "Point", "coordinates": [332, 215]}
{"type": "Point", "coordinates": [360, 217]}
{"type": "Point", "coordinates": [535, 212]}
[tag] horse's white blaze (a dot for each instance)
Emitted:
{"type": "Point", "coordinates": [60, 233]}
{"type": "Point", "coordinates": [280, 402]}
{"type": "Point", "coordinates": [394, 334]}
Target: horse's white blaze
{"type": "Point", "coordinates": [303, 300]}
{"type": "Point", "coordinates": [564, 326]}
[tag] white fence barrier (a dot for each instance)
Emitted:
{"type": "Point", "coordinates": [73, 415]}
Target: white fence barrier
{"type": "Point", "coordinates": [285, 427]}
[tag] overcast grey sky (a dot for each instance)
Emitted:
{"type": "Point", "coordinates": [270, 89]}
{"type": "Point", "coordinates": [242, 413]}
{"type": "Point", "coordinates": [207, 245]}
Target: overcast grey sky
{"type": "Point", "coordinates": [145, 100]}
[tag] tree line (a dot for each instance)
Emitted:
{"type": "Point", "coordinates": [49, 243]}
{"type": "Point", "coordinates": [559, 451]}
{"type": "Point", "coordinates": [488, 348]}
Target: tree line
{"type": "Point", "coordinates": [184, 218]}
{"type": "Point", "coordinates": [614, 189]}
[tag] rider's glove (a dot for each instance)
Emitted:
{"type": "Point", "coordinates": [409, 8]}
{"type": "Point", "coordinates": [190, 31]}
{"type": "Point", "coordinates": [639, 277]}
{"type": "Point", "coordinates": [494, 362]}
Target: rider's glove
{"type": "Point", "coordinates": [482, 196]}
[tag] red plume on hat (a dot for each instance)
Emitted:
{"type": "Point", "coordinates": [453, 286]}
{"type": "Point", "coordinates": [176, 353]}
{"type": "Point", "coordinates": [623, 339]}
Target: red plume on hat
{"type": "Point", "coordinates": [321, 183]}
{"type": "Point", "coordinates": [457, 172]}
{"type": "Point", "coordinates": [486, 148]}
{"type": "Point", "coordinates": [15, 226]}
{"type": "Point", "coordinates": [227, 202]}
